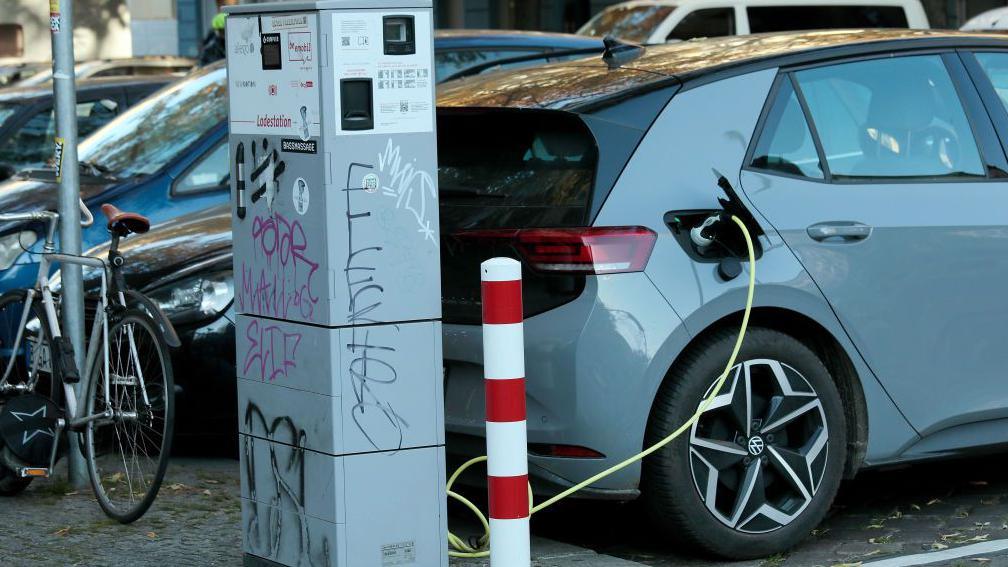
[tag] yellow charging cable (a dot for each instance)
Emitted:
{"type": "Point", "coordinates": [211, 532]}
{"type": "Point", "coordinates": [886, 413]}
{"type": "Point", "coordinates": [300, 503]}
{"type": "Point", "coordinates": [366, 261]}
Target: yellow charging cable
{"type": "Point", "coordinates": [460, 548]}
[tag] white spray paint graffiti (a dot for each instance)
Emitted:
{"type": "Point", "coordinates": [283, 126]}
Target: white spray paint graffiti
{"type": "Point", "coordinates": [413, 188]}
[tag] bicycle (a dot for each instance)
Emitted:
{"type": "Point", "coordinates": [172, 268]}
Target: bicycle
{"type": "Point", "coordinates": [124, 426]}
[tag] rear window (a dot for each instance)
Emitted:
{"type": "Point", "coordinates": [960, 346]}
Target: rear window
{"type": "Point", "coordinates": [521, 169]}
{"type": "Point", "coordinates": [506, 169]}
{"type": "Point", "coordinates": [632, 23]}
{"type": "Point", "coordinates": [786, 18]}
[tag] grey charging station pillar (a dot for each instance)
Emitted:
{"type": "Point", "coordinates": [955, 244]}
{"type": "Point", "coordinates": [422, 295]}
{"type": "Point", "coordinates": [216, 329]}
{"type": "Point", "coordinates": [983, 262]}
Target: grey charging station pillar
{"type": "Point", "coordinates": [337, 283]}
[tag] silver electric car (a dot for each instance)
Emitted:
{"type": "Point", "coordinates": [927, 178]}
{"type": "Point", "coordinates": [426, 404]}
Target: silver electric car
{"type": "Point", "coordinates": [872, 167]}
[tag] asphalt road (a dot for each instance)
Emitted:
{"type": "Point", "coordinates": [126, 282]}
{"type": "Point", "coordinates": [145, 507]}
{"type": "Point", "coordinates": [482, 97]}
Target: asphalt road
{"type": "Point", "coordinates": [880, 516]}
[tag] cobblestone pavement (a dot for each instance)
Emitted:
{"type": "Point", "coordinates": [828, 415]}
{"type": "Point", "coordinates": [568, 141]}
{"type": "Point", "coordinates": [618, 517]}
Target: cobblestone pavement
{"type": "Point", "coordinates": [195, 522]}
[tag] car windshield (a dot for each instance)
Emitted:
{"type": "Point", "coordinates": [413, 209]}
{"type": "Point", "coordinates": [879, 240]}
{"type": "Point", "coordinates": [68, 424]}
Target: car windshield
{"type": "Point", "coordinates": [632, 23]}
{"type": "Point", "coordinates": [149, 135]}
{"type": "Point", "coordinates": [8, 109]}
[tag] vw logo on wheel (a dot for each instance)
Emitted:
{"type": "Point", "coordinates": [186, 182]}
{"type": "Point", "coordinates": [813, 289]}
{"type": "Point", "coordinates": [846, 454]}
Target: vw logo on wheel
{"type": "Point", "coordinates": [756, 445]}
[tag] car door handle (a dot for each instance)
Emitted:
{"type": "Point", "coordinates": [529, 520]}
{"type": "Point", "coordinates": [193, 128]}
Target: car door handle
{"type": "Point", "coordinates": [842, 231]}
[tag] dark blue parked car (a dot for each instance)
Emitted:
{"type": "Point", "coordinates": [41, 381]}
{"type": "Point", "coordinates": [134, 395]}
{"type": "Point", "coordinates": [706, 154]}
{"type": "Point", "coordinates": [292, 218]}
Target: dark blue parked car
{"type": "Point", "coordinates": [163, 158]}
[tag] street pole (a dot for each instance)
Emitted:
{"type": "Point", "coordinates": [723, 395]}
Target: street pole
{"type": "Point", "coordinates": [65, 98]}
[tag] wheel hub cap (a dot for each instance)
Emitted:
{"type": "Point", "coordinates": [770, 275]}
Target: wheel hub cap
{"type": "Point", "coordinates": [758, 452]}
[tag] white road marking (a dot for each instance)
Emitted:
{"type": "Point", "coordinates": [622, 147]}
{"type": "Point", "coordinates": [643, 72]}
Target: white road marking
{"type": "Point", "coordinates": [944, 555]}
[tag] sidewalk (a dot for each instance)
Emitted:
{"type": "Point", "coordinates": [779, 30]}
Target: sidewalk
{"type": "Point", "coordinates": [195, 521]}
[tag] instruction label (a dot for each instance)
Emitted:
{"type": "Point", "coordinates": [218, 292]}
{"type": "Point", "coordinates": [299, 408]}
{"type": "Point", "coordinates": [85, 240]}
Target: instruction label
{"type": "Point", "coordinates": [273, 76]}
{"type": "Point", "coordinates": [403, 553]}
{"type": "Point", "coordinates": [402, 85]}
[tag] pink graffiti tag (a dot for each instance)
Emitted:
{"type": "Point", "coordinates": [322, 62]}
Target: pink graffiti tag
{"type": "Point", "coordinates": [281, 272]}
{"type": "Point", "coordinates": [273, 349]}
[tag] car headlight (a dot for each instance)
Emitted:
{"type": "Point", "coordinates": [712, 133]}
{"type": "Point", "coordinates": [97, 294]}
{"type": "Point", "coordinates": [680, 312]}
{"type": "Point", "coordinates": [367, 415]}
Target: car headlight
{"type": "Point", "coordinates": [13, 245]}
{"type": "Point", "coordinates": [195, 298]}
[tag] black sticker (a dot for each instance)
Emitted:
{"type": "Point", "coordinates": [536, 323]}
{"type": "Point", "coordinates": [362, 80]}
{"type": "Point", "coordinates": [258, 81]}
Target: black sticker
{"type": "Point", "coordinates": [298, 146]}
{"type": "Point", "coordinates": [270, 51]}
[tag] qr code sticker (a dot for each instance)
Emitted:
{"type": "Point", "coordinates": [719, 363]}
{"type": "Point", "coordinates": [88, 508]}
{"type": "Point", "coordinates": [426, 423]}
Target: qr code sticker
{"type": "Point", "coordinates": [403, 106]}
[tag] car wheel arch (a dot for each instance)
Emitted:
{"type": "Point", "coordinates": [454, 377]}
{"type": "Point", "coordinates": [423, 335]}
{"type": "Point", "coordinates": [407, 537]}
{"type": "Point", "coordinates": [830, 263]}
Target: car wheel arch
{"type": "Point", "coordinates": [829, 350]}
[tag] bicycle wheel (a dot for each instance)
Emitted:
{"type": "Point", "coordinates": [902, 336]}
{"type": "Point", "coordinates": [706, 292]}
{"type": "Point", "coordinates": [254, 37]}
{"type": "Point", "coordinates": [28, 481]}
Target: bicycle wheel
{"type": "Point", "coordinates": [23, 363]}
{"type": "Point", "coordinates": [127, 454]}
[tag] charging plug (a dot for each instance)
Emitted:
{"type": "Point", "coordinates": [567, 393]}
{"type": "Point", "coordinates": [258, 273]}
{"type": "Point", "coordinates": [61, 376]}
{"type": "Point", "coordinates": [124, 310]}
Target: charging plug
{"type": "Point", "coordinates": [702, 235]}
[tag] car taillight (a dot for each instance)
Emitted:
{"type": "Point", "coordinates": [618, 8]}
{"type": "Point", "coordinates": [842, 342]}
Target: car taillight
{"type": "Point", "coordinates": [590, 250]}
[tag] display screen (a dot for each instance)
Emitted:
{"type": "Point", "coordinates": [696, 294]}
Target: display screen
{"type": "Point", "coordinates": [270, 51]}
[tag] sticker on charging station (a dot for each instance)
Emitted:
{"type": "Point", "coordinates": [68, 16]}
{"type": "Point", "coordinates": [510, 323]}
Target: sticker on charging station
{"type": "Point", "coordinates": [273, 76]}
{"type": "Point", "coordinates": [300, 195]}
{"type": "Point", "coordinates": [383, 69]}
{"type": "Point", "coordinates": [403, 553]}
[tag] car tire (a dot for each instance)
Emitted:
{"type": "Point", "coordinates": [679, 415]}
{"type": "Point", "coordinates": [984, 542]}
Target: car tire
{"type": "Point", "coordinates": [752, 497]}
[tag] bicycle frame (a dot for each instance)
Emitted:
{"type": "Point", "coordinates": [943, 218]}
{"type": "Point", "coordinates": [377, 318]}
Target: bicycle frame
{"type": "Point", "coordinates": [99, 327]}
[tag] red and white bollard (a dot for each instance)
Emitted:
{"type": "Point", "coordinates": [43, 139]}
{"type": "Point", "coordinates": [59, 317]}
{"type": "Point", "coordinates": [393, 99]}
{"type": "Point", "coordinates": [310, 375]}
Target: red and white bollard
{"type": "Point", "coordinates": [507, 450]}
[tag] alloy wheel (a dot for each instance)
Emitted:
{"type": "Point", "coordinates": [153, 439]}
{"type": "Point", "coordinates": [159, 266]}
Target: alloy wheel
{"type": "Point", "coordinates": [759, 451]}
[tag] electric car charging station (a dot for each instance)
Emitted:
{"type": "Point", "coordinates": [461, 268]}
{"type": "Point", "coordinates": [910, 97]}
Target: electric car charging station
{"type": "Point", "coordinates": [336, 262]}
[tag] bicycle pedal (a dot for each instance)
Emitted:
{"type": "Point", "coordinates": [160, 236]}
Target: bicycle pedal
{"type": "Point", "coordinates": [64, 359]}
{"type": "Point", "coordinates": [33, 472]}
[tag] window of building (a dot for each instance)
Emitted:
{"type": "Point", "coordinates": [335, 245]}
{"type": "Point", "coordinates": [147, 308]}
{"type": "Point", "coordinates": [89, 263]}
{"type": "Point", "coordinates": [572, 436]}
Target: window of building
{"type": "Point", "coordinates": [890, 118]}
{"type": "Point", "coordinates": [710, 22]}
{"type": "Point", "coordinates": [11, 40]}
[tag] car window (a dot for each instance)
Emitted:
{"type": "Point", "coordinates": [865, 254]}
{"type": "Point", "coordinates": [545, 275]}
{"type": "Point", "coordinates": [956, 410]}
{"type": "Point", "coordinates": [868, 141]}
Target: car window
{"type": "Point", "coordinates": [8, 109]}
{"type": "Point", "coordinates": [148, 136]}
{"type": "Point", "coordinates": [211, 171]}
{"type": "Point", "coordinates": [995, 66]}
{"type": "Point", "coordinates": [32, 144]}
{"type": "Point", "coordinates": [114, 72]}
{"type": "Point", "coordinates": [710, 22]}
{"type": "Point", "coordinates": [450, 61]}
{"type": "Point", "coordinates": [786, 18]}
{"type": "Point", "coordinates": [94, 114]}
{"type": "Point", "coordinates": [890, 118]}
{"type": "Point", "coordinates": [629, 22]}
{"type": "Point", "coordinates": [786, 144]}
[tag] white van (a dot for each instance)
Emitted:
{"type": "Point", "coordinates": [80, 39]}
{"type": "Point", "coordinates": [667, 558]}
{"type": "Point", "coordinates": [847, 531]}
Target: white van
{"type": "Point", "coordinates": [659, 21]}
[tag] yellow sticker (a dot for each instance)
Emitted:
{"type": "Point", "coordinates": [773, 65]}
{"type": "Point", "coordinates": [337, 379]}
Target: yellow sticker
{"type": "Point", "coordinates": [54, 6]}
{"type": "Point", "coordinates": [58, 159]}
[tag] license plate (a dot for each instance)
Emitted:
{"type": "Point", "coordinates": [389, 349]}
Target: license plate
{"type": "Point", "coordinates": [44, 356]}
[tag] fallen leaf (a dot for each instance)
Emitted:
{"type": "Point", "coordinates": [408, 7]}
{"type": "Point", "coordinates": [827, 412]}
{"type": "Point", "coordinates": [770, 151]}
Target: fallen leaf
{"type": "Point", "coordinates": [977, 538]}
{"type": "Point", "coordinates": [211, 481]}
{"type": "Point", "coordinates": [980, 560]}
{"type": "Point", "coordinates": [855, 564]}
{"type": "Point", "coordinates": [74, 493]}
{"type": "Point", "coordinates": [936, 546]}
{"type": "Point", "coordinates": [151, 535]}
{"type": "Point", "coordinates": [933, 501]}
{"type": "Point", "coordinates": [62, 531]}
{"type": "Point", "coordinates": [915, 506]}
{"type": "Point", "coordinates": [176, 486]}
{"type": "Point", "coordinates": [206, 491]}
{"type": "Point", "coordinates": [875, 526]}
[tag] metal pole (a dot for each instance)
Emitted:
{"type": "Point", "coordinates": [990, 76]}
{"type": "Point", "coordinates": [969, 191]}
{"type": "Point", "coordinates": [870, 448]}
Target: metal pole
{"type": "Point", "coordinates": [65, 99]}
